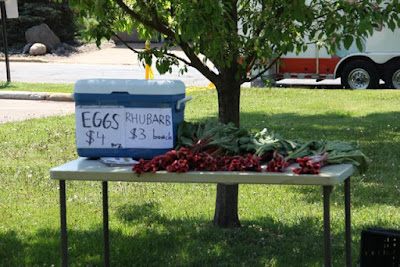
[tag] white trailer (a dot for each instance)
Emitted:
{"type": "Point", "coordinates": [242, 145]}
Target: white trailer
{"type": "Point", "coordinates": [379, 60]}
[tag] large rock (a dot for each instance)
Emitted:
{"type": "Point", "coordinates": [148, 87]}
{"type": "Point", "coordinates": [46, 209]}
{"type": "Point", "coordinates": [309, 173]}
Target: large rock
{"type": "Point", "coordinates": [37, 49]}
{"type": "Point", "coordinates": [42, 34]}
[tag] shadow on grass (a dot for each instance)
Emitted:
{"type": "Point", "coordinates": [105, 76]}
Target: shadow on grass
{"type": "Point", "coordinates": [152, 239]}
{"type": "Point", "coordinates": [11, 249]}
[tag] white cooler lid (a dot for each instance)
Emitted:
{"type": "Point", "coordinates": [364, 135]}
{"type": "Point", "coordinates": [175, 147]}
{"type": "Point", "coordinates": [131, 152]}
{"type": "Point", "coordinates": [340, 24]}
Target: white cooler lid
{"type": "Point", "coordinates": [131, 86]}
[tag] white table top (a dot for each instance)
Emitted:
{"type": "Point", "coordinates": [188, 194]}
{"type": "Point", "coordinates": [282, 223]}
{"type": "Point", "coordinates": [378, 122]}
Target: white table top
{"type": "Point", "coordinates": [85, 169]}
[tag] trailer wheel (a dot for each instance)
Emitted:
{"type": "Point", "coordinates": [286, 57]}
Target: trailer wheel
{"type": "Point", "coordinates": [392, 76]}
{"type": "Point", "coordinates": [360, 74]}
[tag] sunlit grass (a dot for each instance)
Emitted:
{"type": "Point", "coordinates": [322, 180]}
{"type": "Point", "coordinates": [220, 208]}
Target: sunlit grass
{"type": "Point", "coordinates": [36, 87]}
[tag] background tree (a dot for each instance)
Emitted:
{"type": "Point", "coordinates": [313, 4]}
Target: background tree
{"type": "Point", "coordinates": [236, 36]}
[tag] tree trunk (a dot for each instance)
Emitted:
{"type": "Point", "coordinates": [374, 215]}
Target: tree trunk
{"type": "Point", "coordinates": [226, 206]}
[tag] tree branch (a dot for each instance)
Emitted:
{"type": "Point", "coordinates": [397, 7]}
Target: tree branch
{"type": "Point", "coordinates": [179, 58]}
{"type": "Point", "coordinates": [325, 14]}
{"type": "Point", "coordinates": [198, 64]}
{"type": "Point", "coordinates": [264, 71]}
{"type": "Point", "coordinates": [244, 5]}
{"type": "Point", "coordinates": [153, 24]}
{"type": "Point", "coordinates": [167, 54]}
{"type": "Point", "coordinates": [126, 44]}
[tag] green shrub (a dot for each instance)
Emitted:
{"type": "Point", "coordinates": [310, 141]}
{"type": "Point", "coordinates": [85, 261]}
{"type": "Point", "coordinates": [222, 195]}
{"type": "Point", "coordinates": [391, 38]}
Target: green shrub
{"type": "Point", "coordinates": [58, 16]}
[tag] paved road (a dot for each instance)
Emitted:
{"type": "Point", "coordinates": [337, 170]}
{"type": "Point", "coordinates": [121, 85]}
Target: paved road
{"type": "Point", "coordinates": [70, 73]}
{"type": "Point", "coordinates": [16, 110]}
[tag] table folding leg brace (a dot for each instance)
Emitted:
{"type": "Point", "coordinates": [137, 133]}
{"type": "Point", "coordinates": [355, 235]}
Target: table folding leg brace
{"type": "Point", "coordinates": [347, 217]}
{"type": "Point", "coordinates": [327, 224]}
{"type": "Point", "coordinates": [64, 236]}
{"type": "Point", "coordinates": [105, 226]}
{"type": "Point", "coordinates": [63, 216]}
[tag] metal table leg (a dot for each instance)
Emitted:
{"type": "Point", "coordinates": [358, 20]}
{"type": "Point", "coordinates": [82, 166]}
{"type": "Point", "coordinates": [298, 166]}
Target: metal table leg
{"type": "Point", "coordinates": [63, 216]}
{"type": "Point", "coordinates": [327, 225]}
{"type": "Point", "coordinates": [347, 220]}
{"type": "Point", "coordinates": [105, 226]}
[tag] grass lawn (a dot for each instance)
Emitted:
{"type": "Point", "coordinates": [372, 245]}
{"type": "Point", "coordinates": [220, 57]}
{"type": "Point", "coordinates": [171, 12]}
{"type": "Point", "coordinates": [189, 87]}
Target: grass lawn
{"type": "Point", "coordinates": [170, 224]}
{"type": "Point", "coordinates": [36, 87]}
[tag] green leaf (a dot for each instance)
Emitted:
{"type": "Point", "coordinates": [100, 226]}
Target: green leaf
{"type": "Point", "coordinates": [392, 25]}
{"type": "Point", "coordinates": [245, 28]}
{"type": "Point", "coordinates": [359, 44]}
{"type": "Point", "coordinates": [348, 41]}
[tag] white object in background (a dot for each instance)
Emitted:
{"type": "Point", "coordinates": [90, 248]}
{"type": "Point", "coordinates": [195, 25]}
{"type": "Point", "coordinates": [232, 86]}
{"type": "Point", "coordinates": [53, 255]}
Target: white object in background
{"type": "Point", "coordinates": [11, 8]}
{"type": "Point", "coordinates": [116, 162]}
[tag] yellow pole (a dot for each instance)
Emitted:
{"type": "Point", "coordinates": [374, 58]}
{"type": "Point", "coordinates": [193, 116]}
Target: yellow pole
{"type": "Point", "coordinates": [149, 73]}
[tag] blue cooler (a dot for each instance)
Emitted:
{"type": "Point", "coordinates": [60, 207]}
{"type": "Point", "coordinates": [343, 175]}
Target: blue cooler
{"type": "Point", "coordinates": [127, 118]}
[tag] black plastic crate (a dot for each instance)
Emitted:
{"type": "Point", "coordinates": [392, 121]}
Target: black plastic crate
{"type": "Point", "coordinates": [380, 248]}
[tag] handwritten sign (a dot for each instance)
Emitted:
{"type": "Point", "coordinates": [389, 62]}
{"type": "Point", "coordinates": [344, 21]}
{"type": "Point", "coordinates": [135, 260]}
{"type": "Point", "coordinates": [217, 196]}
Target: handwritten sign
{"type": "Point", "coordinates": [119, 127]}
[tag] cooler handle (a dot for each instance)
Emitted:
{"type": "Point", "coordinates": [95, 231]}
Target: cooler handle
{"type": "Point", "coordinates": [182, 101]}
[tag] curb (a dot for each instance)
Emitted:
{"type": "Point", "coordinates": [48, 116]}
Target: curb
{"type": "Point", "coordinates": [36, 96]}
{"type": "Point", "coordinates": [60, 97]}
{"type": "Point", "coordinates": [24, 59]}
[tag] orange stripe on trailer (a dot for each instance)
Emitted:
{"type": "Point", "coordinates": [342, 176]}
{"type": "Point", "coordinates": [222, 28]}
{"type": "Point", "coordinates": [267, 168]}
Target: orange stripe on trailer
{"type": "Point", "coordinates": [328, 65]}
{"type": "Point", "coordinates": [308, 65]}
{"type": "Point", "coordinates": [297, 65]}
